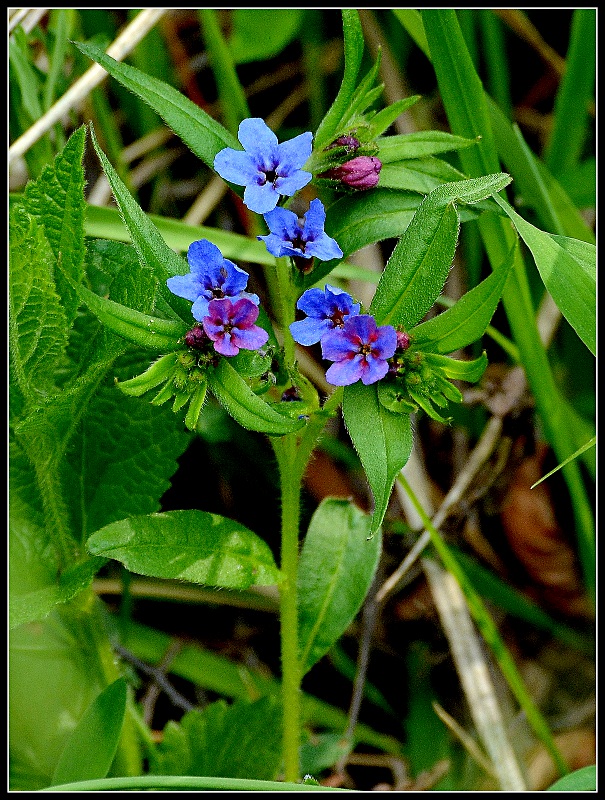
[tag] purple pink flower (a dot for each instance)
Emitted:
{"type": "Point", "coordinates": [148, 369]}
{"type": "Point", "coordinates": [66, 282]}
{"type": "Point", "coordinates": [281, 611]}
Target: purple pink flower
{"type": "Point", "coordinates": [360, 350]}
{"type": "Point", "coordinates": [266, 168]}
{"type": "Point", "coordinates": [326, 309]}
{"type": "Point", "coordinates": [231, 326]}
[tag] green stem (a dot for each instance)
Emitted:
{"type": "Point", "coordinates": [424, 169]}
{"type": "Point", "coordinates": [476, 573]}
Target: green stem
{"type": "Point", "coordinates": [490, 634]}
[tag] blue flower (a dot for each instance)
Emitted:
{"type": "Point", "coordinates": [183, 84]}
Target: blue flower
{"type": "Point", "coordinates": [231, 326]}
{"type": "Point", "coordinates": [360, 350]}
{"type": "Point", "coordinates": [266, 168]}
{"type": "Point", "coordinates": [289, 238]}
{"type": "Point", "coordinates": [212, 277]}
{"type": "Point", "coordinates": [326, 309]}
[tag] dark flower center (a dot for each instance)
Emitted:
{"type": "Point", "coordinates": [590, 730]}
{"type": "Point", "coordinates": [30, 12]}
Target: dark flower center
{"type": "Point", "coordinates": [337, 318]}
{"type": "Point", "coordinates": [365, 349]}
{"type": "Point", "coordinates": [271, 176]}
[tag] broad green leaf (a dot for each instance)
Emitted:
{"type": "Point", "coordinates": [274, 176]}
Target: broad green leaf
{"type": "Point", "coordinates": [36, 605]}
{"type": "Point", "coordinates": [37, 323]}
{"type": "Point", "coordinates": [244, 406]}
{"type": "Point", "coordinates": [261, 33]}
{"type": "Point", "coordinates": [56, 199]}
{"type": "Point", "coordinates": [419, 145]}
{"type": "Point", "coordinates": [229, 741]}
{"type": "Point", "coordinates": [336, 568]}
{"type": "Point", "coordinates": [202, 134]}
{"type": "Point", "coordinates": [383, 441]}
{"type": "Point", "coordinates": [419, 265]}
{"type": "Point", "coordinates": [465, 322]}
{"type": "Point", "coordinates": [353, 53]}
{"type": "Point", "coordinates": [570, 280]}
{"type": "Point", "coordinates": [153, 333]}
{"type": "Point", "coordinates": [418, 175]}
{"type": "Point", "coordinates": [92, 745]}
{"type": "Point", "coordinates": [582, 780]}
{"type": "Point", "coordinates": [194, 546]}
{"type": "Point", "coordinates": [152, 250]}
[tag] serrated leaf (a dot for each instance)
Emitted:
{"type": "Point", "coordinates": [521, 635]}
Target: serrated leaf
{"type": "Point", "coordinates": [188, 545]}
{"type": "Point", "coordinates": [566, 268]}
{"type": "Point", "coordinates": [466, 320]}
{"type": "Point", "coordinates": [419, 265]}
{"type": "Point", "coordinates": [353, 52]}
{"type": "Point", "coordinates": [244, 406]}
{"type": "Point", "coordinates": [91, 748]}
{"type": "Point", "coordinates": [383, 441]}
{"type": "Point", "coordinates": [229, 741]}
{"type": "Point", "coordinates": [56, 199]}
{"type": "Point", "coordinates": [37, 323]}
{"type": "Point", "coordinates": [336, 568]}
{"type": "Point", "coordinates": [419, 145]}
{"type": "Point", "coordinates": [153, 252]}
{"type": "Point", "coordinates": [202, 134]}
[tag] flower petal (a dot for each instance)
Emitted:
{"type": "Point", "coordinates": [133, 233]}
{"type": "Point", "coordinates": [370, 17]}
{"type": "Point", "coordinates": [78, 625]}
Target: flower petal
{"type": "Point", "coordinates": [344, 373]}
{"type": "Point", "coordinates": [260, 198]}
{"type": "Point", "coordinates": [249, 338]}
{"type": "Point", "coordinates": [187, 286]}
{"type": "Point", "coordinates": [336, 345]}
{"type": "Point", "coordinates": [275, 244]}
{"type": "Point", "coordinates": [313, 303]}
{"type": "Point", "coordinates": [386, 344]}
{"type": "Point", "coordinates": [372, 370]}
{"type": "Point", "coordinates": [283, 223]}
{"type": "Point", "coordinates": [243, 313]}
{"type": "Point", "coordinates": [236, 166]}
{"type": "Point", "coordinates": [315, 218]}
{"type": "Point", "coordinates": [203, 254]}
{"type": "Point", "coordinates": [293, 153]}
{"type": "Point", "coordinates": [293, 182]}
{"type": "Point", "coordinates": [310, 330]}
{"type": "Point", "coordinates": [324, 247]}
{"type": "Point", "coordinates": [200, 308]}
{"type": "Point", "coordinates": [225, 345]}
{"type": "Point", "coordinates": [236, 279]}
{"type": "Point", "coordinates": [260, 141]}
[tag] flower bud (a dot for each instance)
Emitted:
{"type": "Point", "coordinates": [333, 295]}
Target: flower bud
{"type": "Point", "coordinates": [196, 337]}
{"type": "Point", "coordinates": [350, 142]}
{"type": "Point", "coordinates": [359, 173]}
{"type": "Point", "coordinates": [403, 340]}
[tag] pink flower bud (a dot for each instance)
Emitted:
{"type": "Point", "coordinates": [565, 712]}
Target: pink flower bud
{"type": "Point", "coordinates": [350, 142]}
{"type": "Point", "coordinates": [403, 340]}
{"type": "Point", "coordinates": [359, 173]}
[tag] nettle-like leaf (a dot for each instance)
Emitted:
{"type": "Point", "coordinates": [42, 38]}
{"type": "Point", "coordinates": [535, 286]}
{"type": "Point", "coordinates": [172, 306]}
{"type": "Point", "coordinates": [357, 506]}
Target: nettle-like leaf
{"type": "Point", "coordinates": [336, 569]}
{"type": "Point", "coordinates": [228, 741]}
{"type": "Point", "coordinates": [382, 439]}
{"type": "Point", "coordinates": [419, 265]}
{"type": "Point", "coordinates": [92, 745]}
{"type": "Point", "coordinates": [568, 270]}
{"type": "Point", "coordinates": [55, 200]}
{"type": "Point", "coordinates": [188, 545]}
{"type": "Point", "coordinates": [202, 134]}
{"type": "Point", "coordinates": [37, 322]}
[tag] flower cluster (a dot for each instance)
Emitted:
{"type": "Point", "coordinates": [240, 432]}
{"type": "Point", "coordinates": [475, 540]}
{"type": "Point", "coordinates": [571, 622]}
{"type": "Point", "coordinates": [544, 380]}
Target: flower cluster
{"type": "Point", "coordinates": [359, 348]}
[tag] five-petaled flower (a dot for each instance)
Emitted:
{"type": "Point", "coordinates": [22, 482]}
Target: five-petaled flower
{"type": "Point", "coordinates": [326, 310]}
{"type": "Point", "coordinates": [360, 350]}
{"type": "Point", "coordinates": [266, 168]}
{"type": "Point", "coordinates": [212, 277]}
{"type": "Point", "coordinates": [231, 326]}
{"type": "Point", "coordinates": [289, 238]}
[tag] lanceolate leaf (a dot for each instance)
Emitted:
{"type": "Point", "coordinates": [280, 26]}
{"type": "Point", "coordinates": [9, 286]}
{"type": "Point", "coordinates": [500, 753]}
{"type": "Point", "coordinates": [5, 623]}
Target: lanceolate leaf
{"type": "Point", "coordinates": [459, 370]}
{"type": "Point", "coordinates": [244, 406]}
{"type": "Point", "coordinates": [56, 199]}
{"type": "Point", "coordinates": [152, 250]}
{"type": "Point", "coordinates": [92, 745]}
{"type": "Point", "coordinates": [419, 145]}
{"type": "Point", "coordinates": [189, 545]}
{"type": "Point", "coordinates": [466, 320]}
{"type": "Point", "coordinates": [337, 565]}
{"type": "Point", "coordinates": [161, 335]}
{"type": "Point", "coordinates": [382, 439]}
{"type": "Point", "coordinates": [568, 273]}
{"type": "Point", "coordinates": [202, 134]}
{"type": "Point", "coordinates": [419, 264]}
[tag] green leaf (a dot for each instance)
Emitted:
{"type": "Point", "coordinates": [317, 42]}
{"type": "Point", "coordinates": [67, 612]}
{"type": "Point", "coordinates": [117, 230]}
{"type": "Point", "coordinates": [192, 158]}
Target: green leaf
{"type": "Point", "coordinates": [56, 200]}
{"type": "Point", "coordinates": [419, 265]}
{"type": "Point", "coordinates": [244, 406]}
{"type": "Point", "coordinates": [418, 175]}
{"type": "Point", "coordinates": [203, 135]}
{"type": "Point", "coordinates": [92, 746]}
{"type": "Point", "coordinates": [590, 443]}
{"type": "Point", "coordinates": [419, 145]}
{"type": "Point", "coordinates": [336, 568]}
{"type": "Point", "coordinates": [37, 323]}
{"type": "Point", "coordinates": [229, 741]}
{"type": "Point", "coordinates": [261, 33]}
{"type": "Point", "coordinates": [38, 604]}
{"type": "Point", "coordinates": [582, 780]}
{"type": "Point", "coordinates": [566, 268]}
{"type": "Point", "coordinates": [466, 321]}
{"type": "Point", "coordinates": [153, 333]}
{"type": "Point", "coordinates": [153, 252]}
{"type": "Point", "coordinates": [383, 441]}
{"type": "Point", "coordinates": [194, 546]}
{"type": "Point", "coordinates": [353, 52]}
{"type": "Point", "coordinates": [384, 118]}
